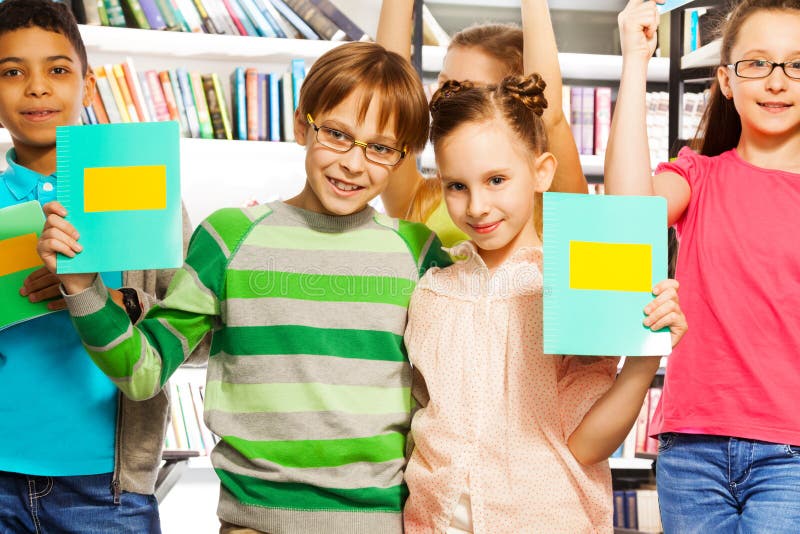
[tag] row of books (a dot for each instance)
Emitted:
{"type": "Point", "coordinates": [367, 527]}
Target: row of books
{"type": "Point", "coordinates": [589, 110]}
{"type": "Point", "coordinates": [187, 430]}
{"type": "Point", "coordinates": [263, 104]}
{"type": "Point", "coordinates": [637, 509]}
{"type": "Point", "coordinates": [304, 19]}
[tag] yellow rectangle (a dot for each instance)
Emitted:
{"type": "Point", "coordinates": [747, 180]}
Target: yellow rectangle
{"type": "Point", "coordinates": [125, 188]}
{"type": "Point", "coordinates": [19, 253]}
{"type": "Point", "coordinates": [610, 266]}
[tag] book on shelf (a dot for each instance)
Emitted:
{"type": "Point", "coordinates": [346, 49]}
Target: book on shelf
{"type": "Point", "coordinates": [321, 24]}
{"type": "Point", "coordinates": [637, 509]}
{"type": "Point", "coordinates": [345, 23]}
{"type": "Point", "coordinates": [134, 15]}
{"type": "Point", "coordinates": [432, 32]}
{"type": "Point", "coordinates": [118, 199]}
{"type": "Point", "coordinates": [187, 430]}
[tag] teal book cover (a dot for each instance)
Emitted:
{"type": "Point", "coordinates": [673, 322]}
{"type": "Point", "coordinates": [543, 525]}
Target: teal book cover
{"type": "Point", "coordinates": [20, 227]}
{"type": "Point", "coordinates": [669, 5]}
{"type": "Point", "coordinates": [120, 185]}
{"type": "Point", "coordinates": [602, 257]}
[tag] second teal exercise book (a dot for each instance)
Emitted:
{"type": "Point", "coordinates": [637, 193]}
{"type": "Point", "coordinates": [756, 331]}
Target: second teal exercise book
{"type": "Point", "coordinates": [120, 185]}
{"type": "Point", "coordinates": [602, 257]}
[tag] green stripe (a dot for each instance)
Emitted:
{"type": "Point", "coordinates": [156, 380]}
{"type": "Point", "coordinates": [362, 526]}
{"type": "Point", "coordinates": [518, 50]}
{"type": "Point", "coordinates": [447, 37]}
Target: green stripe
{"type": "Point", "coordinates": [323, 452]}
{"type": "Point", "coordinates": [319, 287]}
{"type": "Point", "coordinates": [415, 235]}
{"type": "Point", "coordinates": [293, 496]}
{"type": "Point", "coordinates": [119, 361]}
{"type": "Point", "coordinates": [100, 328]}
{"type": "Point", "coordinates": [231, 224]}
{"type": "Point", "coordinates": [207, 259]}
{"type": "Point", "coordinates": [299, 238]}
{"type": "Point", "coordinates": [289, 339]}
{"type": "Point", "coordinates": [185, 291]}
{"type": "Point", "coordinates": [305, 397]}
{"type": "Point", "coordinates": [169, 346]}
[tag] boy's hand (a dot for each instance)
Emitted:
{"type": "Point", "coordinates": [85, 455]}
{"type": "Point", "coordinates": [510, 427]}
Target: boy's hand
{"type": "Point", "coordinates": [665, 311]}
{"type": "Point", "coordinates": [43, 285]}
{"type": "Point", "coordinates": [638, 25]}
{"type": "Point", "coordinates": [59, 236]}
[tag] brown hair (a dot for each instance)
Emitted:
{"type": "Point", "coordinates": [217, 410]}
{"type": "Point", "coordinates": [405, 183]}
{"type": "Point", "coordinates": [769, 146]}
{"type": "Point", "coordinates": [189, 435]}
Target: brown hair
{"type": "Point", "coordinates": [503, 42]}
{"type": "Point", "coordinates": [721, 126]}
{"type": "Point", "coordinates": [45, 14]}
{"type": "Point", "coordinates": [371, 70]}
{"type": "Point", "coordinates": [518, 100]}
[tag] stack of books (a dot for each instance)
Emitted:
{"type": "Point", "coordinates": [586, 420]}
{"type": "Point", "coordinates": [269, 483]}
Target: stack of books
{"type": "Point", "coordinates": [187, 429]}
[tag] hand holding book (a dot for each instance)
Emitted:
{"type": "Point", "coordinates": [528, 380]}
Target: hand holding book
{"type": "Point", "coordinates": [60, 237]}
{"type": "Point", "coordinates": [42, 285]}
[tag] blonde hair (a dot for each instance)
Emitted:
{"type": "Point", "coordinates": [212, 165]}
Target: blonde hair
{"type": "Point", "coordinates": [371, 70]}
{"type": "Point", "coordinates": [503, 43]}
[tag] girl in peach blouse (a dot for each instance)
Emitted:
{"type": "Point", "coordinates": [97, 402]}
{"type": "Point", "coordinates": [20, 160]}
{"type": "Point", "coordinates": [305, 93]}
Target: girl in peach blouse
{"type": "Point", "coordinates": [510, 440]}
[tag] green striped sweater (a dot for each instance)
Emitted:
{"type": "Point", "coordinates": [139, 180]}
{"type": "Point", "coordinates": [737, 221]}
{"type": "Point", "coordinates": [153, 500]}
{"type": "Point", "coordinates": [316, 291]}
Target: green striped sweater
{"type": "Point", "coordinates": [308, 382]}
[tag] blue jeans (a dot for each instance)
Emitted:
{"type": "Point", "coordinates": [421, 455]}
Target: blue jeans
{"type": "Point", "coordinates": [715, 484]}
{"type": "Point", "coordinates": [73, 504]}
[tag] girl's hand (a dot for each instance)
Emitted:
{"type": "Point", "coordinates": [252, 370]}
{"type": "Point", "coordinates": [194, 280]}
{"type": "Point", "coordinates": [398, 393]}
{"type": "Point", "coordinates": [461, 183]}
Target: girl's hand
{"type": "Point", "coordinates": [638, 25]}
{"type": "Point", "coordinates": [60, 237]}
{"type": "Point", "coordinates": [665, 311]}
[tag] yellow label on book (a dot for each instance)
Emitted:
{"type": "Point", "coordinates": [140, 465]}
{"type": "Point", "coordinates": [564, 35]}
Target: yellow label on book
{"type": "Point", "coordinates": [610, 266]}
{"type": "Point", "coordinates": [125, 188]}
{"type": "Point", "coordinates": [18, 254]}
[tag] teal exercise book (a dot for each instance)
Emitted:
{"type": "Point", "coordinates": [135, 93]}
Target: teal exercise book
{"type": "Point", "coordinates": [20, 226]}
{"type": "Point", "coordinates": [120, 185]}
{"type": "Point", "coordinates": [669, 5]}
{"type": "Point", "coordinates": [602, 257]}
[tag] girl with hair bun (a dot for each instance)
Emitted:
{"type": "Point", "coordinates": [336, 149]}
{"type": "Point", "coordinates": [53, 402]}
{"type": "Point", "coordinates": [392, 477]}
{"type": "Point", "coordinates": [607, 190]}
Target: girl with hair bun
{"type": "Point", "coordinates": [508, 439]}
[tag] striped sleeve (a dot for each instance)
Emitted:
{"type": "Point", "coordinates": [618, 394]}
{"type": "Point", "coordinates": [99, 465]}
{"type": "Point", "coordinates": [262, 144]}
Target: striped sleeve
{"type": "Point", "coordinates": [425, 246]}
{"type": "Point", "coordinates": [140, 359]}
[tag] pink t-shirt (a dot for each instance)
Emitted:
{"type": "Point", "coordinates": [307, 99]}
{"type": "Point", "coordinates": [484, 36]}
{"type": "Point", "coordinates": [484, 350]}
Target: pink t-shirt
{"type": "Point", "coordinates": [737, 370]}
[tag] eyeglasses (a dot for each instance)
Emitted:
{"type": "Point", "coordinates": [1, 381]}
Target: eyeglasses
{"type": "Point", "coordinates": [762, 68]}
{"type": "Point", "coordinates": [341, 142]}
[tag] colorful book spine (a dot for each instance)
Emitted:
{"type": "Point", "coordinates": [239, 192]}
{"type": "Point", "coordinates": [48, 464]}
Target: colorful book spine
{"type": "Point", "coordinates": [602, 119]}
{"type": "Point", "coordinates": [119, 74]}
{"type": "Point", "coordinates": [124, 112]}
{"type": "Point", "coordinates": [223, 109]}
{"type": "Point", "coordinates": [208, 24]}
{"type": "Point", "coordinates": [178, 429]}
{"type": "Point", "coordinates": [263, 108]}
{"type": "Point", "coordinates": [134, 14]}
{"type": "Point", "coordinates": [298, 75]}
{"type": "Point", "coordinates": [147, 97]}
{"type": "Point", "coordinates": [172, 105]}
{"type": "Point", "coordinates": [116, 16]}
{"type": "Point", "coordinates": [160, 109]}
{"type": "Point", "coordinates": [91, 12]}
{"type": "Point", "coordinates": [273, 22]}
{"type": "Point", "coordinates": [183, 118]}
{"type": "Point", "coordinates": [296, 20]}
{"type": "Point", "coordinates": [350, 28]}
{"type": "Point", "coordinates": [251, 92]}
{"type": "Point", "coordinates": [99, 108]}
{"type": "Point", "coordinates": [135, 89]}
{"type": "Point", "coordinates": [218, 13]}
{"type": "Point", "coordinates": [282, 26]}
{"type": "Point", "coordinates": [239, 103]}
{"type": "Point", "coordinates": [191, 17]}
{"type": "Point", "coordinates": [205, 433]}
{"type": "Point", "coordinates": [587, 121]}
{"type": "Point", "coordinates": [104, 89]}
{"type": "Point", "coordinates": [274, 107]}
{"type": "Point", "coordinates": [102, 13]}
{"type": "Point", "coordinates": [203, 116]}
{"type": "Point", "coordinates": [190, 421]}
{"type": "Point", "coordinates": [168, 14]}
{"type": "Point", "coordinates": [576, 119]}
{"type": "Point", "coordinates": [261, 24]}
{"type": "Point", "coordinates": [237, 17]}
{"type": "Point", "coordinates": [321, 24]}
{"type": "Point", "coordinates": [188, 101]}
{"type": "Point", "coordinates": [213, 106]}
{"type": "Point", "coordinates": [287, 106]}
{"type": "Point", "coordinates": [153, 15]}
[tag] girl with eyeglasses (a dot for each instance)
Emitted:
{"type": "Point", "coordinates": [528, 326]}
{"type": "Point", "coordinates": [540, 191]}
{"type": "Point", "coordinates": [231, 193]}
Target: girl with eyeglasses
{"type": "Point", "coordinates": [728, 425]}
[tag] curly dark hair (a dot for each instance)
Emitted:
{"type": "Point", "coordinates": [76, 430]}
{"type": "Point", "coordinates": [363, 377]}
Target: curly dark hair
{"type": "Point", "coordinates": [47, 15]}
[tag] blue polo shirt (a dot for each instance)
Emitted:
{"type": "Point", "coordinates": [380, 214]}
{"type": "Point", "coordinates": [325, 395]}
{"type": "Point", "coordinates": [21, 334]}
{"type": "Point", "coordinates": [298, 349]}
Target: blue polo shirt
{"type": "Point", "coordinates": [58, 411]}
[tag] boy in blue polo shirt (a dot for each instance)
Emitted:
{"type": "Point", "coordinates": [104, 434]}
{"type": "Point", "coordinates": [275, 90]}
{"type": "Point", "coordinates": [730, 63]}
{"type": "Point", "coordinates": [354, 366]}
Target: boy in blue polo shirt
{"type": "Point", "coordinates": [76, 456]}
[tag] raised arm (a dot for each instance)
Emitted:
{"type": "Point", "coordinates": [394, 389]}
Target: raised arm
{"type": "Point", "coordinates": [627, 165]}
{"type": "Point", "coordinates": [394, 34]}
{"type": "Point", "coordinates": [540, 54]}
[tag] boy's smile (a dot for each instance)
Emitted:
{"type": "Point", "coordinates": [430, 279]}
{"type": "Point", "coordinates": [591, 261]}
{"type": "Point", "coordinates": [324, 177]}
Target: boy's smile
{"type": "Point", "coordinates": [41, 87]}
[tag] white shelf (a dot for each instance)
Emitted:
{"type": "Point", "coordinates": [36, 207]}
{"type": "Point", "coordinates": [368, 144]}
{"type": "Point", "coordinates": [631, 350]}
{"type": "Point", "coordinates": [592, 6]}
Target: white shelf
{"type": "Point", "coordinates": [705, 56]}
{"type": "Point", "coordinates": [630, 463]}
{"type": "Point", "coordinates": [593, 67]}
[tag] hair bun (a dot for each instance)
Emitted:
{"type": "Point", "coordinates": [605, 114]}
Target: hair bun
{"type": "Point", "coordinates": [527, 89]}
{"type": "Point", "coordinates": [448, 89]}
